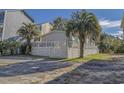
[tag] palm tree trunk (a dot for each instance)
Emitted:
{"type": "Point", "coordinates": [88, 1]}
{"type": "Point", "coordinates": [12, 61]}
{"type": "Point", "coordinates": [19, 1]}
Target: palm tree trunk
{"type": "Point", "coordinates": [81, 48]}
{"type": "Point", "coordinates": [28, 47]}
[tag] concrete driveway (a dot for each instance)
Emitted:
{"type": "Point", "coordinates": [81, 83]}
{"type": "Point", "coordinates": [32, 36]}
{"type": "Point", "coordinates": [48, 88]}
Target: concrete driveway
{"type": "Point", "coordinates": [26, 69]}
{"type": "Point", "coordinates": [95, 72]}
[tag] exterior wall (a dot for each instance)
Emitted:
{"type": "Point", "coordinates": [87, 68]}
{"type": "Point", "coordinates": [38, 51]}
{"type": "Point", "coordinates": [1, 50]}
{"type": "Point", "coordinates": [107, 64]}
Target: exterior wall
{"type": "Point", "coordinates": [59, 48]}
{"type": "Point", "coordinates": [55, 36]}
{"type": "Point", "coordinates": [73, 52]}
{"type": "Point", "coordinates": [1, 24]}
{"type": "Point", "coordinates": [52, 52]}
{"type": "Point", "coordinates": [46, 28]}
{"type": "Point", "coordinates": [88, 51]}
{"type": "Point", "coordinates": [62, 50]}
{"type": "Point", "coordinates": [90, 48]}
{"type": "Point", "coordinates": [13, 21]}
{"type": "Point", "coordinates": [40, 51]}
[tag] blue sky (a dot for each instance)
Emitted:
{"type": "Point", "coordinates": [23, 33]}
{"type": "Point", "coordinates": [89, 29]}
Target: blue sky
{"type": "Point", "coordinates": [109, 19]}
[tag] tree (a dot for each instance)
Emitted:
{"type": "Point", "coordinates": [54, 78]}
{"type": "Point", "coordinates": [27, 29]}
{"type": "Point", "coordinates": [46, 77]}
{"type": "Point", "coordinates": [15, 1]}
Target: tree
{"type": "Point", "coordinates": [59, 24]}
{"type": "Point", "coordinates": [110, 44]}
{"type": "Point", "coordinates": [29, 32]}
{"type": "Point", "coordinates": [83, 25]}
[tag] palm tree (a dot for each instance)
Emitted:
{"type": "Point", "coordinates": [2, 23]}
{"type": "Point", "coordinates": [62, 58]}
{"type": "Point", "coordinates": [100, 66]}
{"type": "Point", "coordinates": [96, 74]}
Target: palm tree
{"type": "Point", "coordinates": [29, 32]}
{"type": "Point", "coordinates": [83, 25]}
{"type": "Point", "coordinates": [59, 24]}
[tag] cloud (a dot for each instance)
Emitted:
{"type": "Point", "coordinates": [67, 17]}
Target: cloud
{"type": "Point", "coordinates": [118, 34]}
{"type": "Point", "coordinates": [106, 24]}
{"type": "Point", "coordinates": [110, 24]}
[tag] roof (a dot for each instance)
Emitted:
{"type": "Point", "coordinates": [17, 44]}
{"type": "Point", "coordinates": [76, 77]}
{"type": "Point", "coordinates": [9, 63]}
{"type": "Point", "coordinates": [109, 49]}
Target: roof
{"type": "Point", "coordinates": [25, 13]}
{"type": "Point", "coordinates": [15, 38]}
{"type": "Point", "coordinates": [43, 23]}
{"type": "Point", "coordinates": [53, 32]}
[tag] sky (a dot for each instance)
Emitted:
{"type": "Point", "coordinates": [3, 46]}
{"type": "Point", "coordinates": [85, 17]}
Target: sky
{"type": "Point", "coordinates": [109, 19]}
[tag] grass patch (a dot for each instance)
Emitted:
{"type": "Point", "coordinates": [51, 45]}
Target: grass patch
{"type": "Point", "coordinates": [90, 57]}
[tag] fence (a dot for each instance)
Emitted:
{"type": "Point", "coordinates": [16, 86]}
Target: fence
{"type": "Point", "coordinates": [52, 49]}
{"type": "Point", "coordinates": [56, 49]}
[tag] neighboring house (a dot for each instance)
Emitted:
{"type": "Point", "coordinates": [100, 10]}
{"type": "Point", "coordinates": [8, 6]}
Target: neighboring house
{"type": "Point", "coordinates": [11, 21]}
{"type": "Point", "coordinates": [44, 28]}
{"type": "Point", "coordinates": [55, 44]}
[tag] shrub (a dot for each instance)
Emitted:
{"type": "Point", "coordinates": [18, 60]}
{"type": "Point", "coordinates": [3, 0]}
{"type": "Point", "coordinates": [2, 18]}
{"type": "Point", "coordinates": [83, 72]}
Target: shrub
{"type": "Point", "coordinates": [8, 47]}
{"type": "Point", "coordinates": [110, 44]}
{"type": "Point", "coordinates": [120, 48]}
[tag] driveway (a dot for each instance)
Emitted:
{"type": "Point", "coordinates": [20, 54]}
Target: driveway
{"type": "Point", "coordinates": [5, 60]}
{"type": "Point", "coordinates": [95, 72]}
{"type": "Point", "coordinates": [25, 69]}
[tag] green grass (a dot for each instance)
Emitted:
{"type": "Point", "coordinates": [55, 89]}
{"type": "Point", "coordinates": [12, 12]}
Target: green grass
{"type": "Point", "coordinates": [90, 57]}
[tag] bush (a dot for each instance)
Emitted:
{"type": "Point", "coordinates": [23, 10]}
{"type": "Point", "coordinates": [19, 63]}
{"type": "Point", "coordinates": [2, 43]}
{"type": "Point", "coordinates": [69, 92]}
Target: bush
{"type": "Point", "coordinates": [9, 47]}
{"type": "Point", "coordinates": [110, 44]}
{"type": "Point", "coordinates": [23, 48]}
{"type": "Point", "coordinates": [120, 48]}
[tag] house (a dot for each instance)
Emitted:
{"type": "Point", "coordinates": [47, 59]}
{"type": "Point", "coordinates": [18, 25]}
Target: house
{"type": "Point", "coordinates": [44, 28]}
{"type": "Point", "coordinates": [55, 44]}
{"type": "Point", "coordinates": [11, 21]}
{"type": "Point", "coordinates": [52, 43]}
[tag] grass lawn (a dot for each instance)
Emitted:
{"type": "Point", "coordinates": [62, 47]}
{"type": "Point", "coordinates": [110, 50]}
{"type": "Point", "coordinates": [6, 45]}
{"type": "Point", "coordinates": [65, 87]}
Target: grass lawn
{"type": "Point", "coordinates": [91, 57]}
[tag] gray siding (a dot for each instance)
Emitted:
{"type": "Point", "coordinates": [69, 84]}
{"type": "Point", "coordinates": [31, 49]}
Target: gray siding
{"type": "Point", "coordinates": [55, 36]}
{"type": "Point", "coordinates": [13, 21]}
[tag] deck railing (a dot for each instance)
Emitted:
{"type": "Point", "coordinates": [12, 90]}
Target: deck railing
{"type": "Point", "coordinates": [62, 44]}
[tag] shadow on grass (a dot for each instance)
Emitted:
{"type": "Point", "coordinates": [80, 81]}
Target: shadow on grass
{"type": "Point", "coordinates": [32, 67]}
{"type": "Point", "coordinates": [93, 72]}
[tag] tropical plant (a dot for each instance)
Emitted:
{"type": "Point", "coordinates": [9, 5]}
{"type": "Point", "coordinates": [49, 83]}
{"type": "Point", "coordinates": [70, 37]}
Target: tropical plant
{"type": "Point", "coordinates": [13, 45]}
{"type": "Point", "coordinates": [59, 24]}
{"type": "Point", "coordinates": [4, 47]}
{"type": "Point", "coordinates": [8, 47]}
{"type": "Point", "coordinates": [83, 25]}
{"type": "Point", "coordinates": [110, 44]}
{"type": "Point", "coordinates": [29, 32]}
{"type": "Point", "coordinates": [1, 47]}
